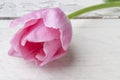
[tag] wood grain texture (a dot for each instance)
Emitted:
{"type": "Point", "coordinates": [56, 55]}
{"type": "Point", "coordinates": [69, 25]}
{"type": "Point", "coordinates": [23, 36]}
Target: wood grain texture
{"type": "Point", "coordinates": [17, 8]}
{"type": "Point", "coordinates": [94, 54]}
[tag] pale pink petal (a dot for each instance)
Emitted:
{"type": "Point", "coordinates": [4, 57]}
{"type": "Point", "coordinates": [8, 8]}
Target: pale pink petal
{"type": "Point", "coordinates": [31, 23]}
{"type": "Point", "coordinates": [31, 16]}
{"type": "Point", "coordinates": [13, 52]}
{"type": "Point", "coordinates": [60, 52]}
{"type": "Point", "coordinates": [41, 55]}
{"type": "Point", "coordinates": [50, 49]}
{"type": "Point", "coordinates": [22, 33]}
{"type": "Point", "coordinates": [59, 20]}
{"type": "Point", "coordinates": [65, 37]}
{"type": "Point", "coordinates": [28, 30]}
{"type": "Point", "coordinates": [55, 18]}
{"type": "Point", "coordinates": [15, 40]}
{"type": "Point", "coordinates": [42, 34]}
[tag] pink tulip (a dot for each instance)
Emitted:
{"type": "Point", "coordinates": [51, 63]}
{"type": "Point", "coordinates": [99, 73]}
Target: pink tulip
{"type": "Point", "coordinates": [45, 36]}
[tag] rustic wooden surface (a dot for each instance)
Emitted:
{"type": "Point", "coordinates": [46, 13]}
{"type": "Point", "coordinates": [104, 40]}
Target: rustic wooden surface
{"type": "Point", "coordinates": [20, 7]}
{"type": "Point", "coordinates": [17, 8]}
{"type": "Point", "coordinates": [94, 53]}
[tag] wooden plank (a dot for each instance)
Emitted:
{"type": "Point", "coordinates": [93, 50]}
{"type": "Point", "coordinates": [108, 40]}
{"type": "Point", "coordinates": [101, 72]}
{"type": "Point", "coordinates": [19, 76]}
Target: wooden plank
{"type": "Point", "coordinates": [94, 54]}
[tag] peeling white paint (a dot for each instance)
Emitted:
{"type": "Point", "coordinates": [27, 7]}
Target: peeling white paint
{"type": "Point", "coordinates": [16, 8]}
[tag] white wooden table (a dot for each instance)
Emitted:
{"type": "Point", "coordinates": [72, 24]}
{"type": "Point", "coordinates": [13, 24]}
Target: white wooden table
{"type": "Point", "coordinates": [94, 54]}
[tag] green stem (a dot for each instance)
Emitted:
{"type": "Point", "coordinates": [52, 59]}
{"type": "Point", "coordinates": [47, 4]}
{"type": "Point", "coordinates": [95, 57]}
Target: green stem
{"type": "Point", "coordinates": [92, 8]}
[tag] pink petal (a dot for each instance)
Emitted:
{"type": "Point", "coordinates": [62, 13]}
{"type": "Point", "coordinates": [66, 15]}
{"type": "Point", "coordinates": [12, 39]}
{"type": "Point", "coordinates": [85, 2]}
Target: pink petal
{"type": "Point", "coordinates": [15, 44]}
{"type": "Point", "coordinates": [42, 34]}
{"type": "Point", "coordinates": [28, 29]}
{"type": "Point", "coordinates": [31, 23]}
{"type": "Point", "coordinates": [41, 55]}
{"type": "Point", "coordinates": [50, 49]}
{"type": "Point", "coordinates": [13, 52]}
{"type": "Point", "coordinates": [59, 20]}
{"type": "Point", "coordinates": [31, 16]}
{"type": "Point", "coordinates": [60, 52]}
{"type": "Point", "coordinates": [30, 49]}
{"type": "Point", "coordinates": [65, 37]}
{"type": "Point", "coordinates": [21, 33]}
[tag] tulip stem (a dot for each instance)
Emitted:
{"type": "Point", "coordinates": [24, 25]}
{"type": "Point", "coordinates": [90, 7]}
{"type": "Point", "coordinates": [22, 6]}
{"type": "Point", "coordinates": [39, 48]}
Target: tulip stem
{"type": "Point", "coordinates": [95, 7]}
